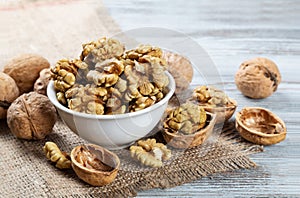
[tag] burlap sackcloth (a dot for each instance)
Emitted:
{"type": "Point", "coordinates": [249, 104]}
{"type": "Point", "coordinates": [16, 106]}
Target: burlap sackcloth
{"type": "Point", "coordinates": [57, 30]}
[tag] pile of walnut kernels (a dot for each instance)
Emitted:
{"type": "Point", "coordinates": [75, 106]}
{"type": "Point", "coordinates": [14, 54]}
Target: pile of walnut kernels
{"type": "Point", "coordinates": [109, 80]}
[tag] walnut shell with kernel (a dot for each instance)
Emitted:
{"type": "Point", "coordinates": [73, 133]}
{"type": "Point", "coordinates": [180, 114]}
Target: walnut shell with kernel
{"type": "Point", "coordinates": [31, 116]}
{"type": "Point", "coordinates": [9, 92]}
{"type": "Point", "coordinates": [260, 126]}
{"type": "Point", "coordinates": [187, 126]}
{"type": "Point", "coordinates": [258, 78]}
{"type": "Point", "coordinates": [215, 101]}
{"type": "Point", "coordinates": [25, 69]}
{"type": "Point", "coordinates": [94, 164]}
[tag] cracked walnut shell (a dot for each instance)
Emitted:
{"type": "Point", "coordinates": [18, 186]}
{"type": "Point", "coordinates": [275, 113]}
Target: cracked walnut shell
{"type": "Point", "coordinates": [31, 116]}
{"type": "Point", "coordinates": [260, 126]}
{"type": "Point", "coordinates": [9, 92]}
{"type": "Point", "coordinates": [25, 69]}
{"type": "Point", "coordinates": [94, 164]}
{"type": "Point", "coordinates": [258, 78]}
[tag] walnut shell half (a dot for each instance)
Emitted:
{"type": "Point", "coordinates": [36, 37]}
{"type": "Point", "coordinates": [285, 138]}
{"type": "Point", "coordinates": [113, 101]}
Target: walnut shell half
{"type": "Point", "coordinates": [179, 140]}
{"type": "Point", "coordinates": [260, 126]}
{"type": "Point", "coordinates": [94, 164]}
{"type": "Point", "coordinates": [223, 113]}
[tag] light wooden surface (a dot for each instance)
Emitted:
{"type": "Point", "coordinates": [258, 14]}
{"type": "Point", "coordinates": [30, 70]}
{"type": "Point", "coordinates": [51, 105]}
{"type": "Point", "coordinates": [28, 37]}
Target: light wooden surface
{"type": "Point", "coordinates": [233, 31]}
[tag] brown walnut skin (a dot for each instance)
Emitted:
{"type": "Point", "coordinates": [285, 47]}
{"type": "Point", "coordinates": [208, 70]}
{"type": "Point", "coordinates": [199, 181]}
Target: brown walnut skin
{"type": "Point", "coordinates": [31, 116]}
{"type": "Point", "coordinates": [25, 69]}
{"type": "Point", "coordinates": [258, 78]}
{"type": "Point", "coordinates": [9, 92]}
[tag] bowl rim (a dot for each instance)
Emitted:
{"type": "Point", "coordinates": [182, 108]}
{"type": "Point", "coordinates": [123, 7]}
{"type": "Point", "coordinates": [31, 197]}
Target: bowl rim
{"type": "Point", "coordinates": [52, 97]}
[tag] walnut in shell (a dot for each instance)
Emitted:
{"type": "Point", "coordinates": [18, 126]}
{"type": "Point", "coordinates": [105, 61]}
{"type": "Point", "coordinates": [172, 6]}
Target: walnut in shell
{"type": "Point", "coordinates": [180, 68]}
{"type": "Point", "coordinates": [25, 69]}
{"type": "Point", "coordinates": [260, 126]}
{"type": "Point", "coordinates": [94, 164]}
{"type": "Point", "coordinates": [258, 78]}
{"type": "Point", "coordinates": [31, 116]}
{"type": "Point", "coordinates": [9, 92]}
{"type": "Point", "coordinates": [187, 126]}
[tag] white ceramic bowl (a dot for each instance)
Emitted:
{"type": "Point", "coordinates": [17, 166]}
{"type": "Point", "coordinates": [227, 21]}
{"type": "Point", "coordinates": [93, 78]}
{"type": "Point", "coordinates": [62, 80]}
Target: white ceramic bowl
{"type": "Point", "coordinates": [113, 131]}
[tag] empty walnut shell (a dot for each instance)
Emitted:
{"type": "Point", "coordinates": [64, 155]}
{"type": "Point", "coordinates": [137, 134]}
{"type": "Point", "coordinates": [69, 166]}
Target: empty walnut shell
{"type": "Point", "coordinates": [223, 114]}
{"type": "Point", "coordinates": [258, 78]}
{"type": "Point", "coordinates": [179, 140]}
{"type": "Point", "coordinates": [260, 126]}
{"type": "Point", "coordinates": [94, 164]}
{"type": "Point", "coordinates": [181, 69]}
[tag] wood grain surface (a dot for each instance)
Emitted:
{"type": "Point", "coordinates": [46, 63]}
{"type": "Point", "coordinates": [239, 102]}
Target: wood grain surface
{"type": "Point", "coordinates": [233, 31]}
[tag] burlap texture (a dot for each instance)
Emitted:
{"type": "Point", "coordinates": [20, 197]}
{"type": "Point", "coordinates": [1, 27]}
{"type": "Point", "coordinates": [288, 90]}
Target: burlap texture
{"type": "Point", "coordinates": [25, 171]}
{"type": "Point", "coordinates": [56, 31]}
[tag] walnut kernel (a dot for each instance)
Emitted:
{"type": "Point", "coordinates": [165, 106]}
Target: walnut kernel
{"type": "Point", "coordinates": [150, 153]}
{"type": "Point", "coordinates": [187, 119]}
{"type": "Point", "coordinates": [66, 72]}
{"type": "Point", "coordinates": [215, 101]}
{"type": "Point", "coordinates": [53, 153]}
{"type": "Point", "coordinates": [187, 126]}
{"type": "Point", "coordinates": [102, 49]}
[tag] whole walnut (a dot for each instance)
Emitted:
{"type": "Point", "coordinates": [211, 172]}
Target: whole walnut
{"type": "Point", "coordinates": [258, 78]}
{"type": "Point", "coordinates": [25, 69]}
{"type": "Point", "coordinates": [9, 92]}
{"type": "Point", "coordinates": [40, 85]}
{"type": "Point", "coordinates": [181, 69]}
{"type": "Point", "coordinates": [31, 116]}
